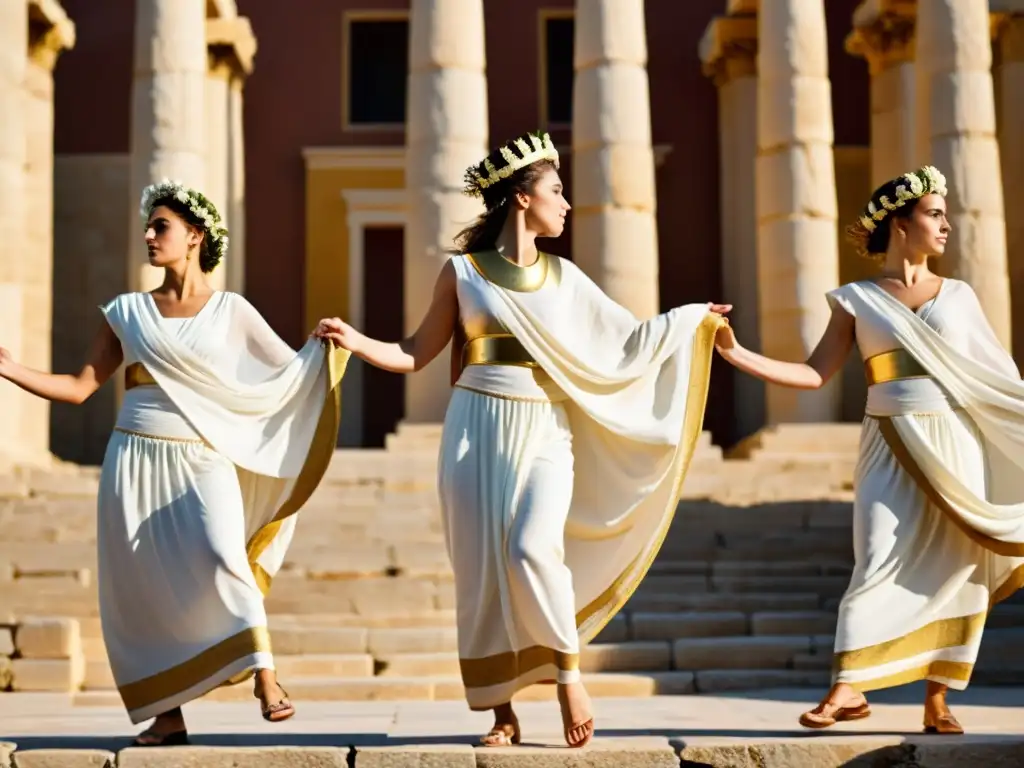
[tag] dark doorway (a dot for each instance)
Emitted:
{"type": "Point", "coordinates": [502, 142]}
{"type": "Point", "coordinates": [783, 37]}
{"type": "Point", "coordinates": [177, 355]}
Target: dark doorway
{"type": "Point", "coordinates": [384, 318]}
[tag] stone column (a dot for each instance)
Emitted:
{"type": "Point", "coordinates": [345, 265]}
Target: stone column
{"type": "Point", "coordinates": [729, 53]}
{"type": "Point", "coordinates": [446, 132]}
{"type": "Point", "coordinates": [954, 60]}
{"type": "Point", "coordinates": [231, 47]}
{"type": "Point", "coordinates": [168, 132]}
{"type": "Point", "coordinates": [883, 34]}
{"type": "Point", "coordinates": [615, 234]}
{"type": "Point", "coordinates": [1010, 87]}
{"type": "Point", "coordinates": [13, 206]}
{"type": "Point", "coordinates": [49, 33]}
{"type": "Point", "coordinates": [798, 248]}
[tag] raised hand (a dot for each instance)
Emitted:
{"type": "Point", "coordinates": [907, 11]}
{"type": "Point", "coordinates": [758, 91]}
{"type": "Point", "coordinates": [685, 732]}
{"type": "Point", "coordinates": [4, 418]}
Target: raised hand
{"type": "Point", "coordinates": [719, 309]}
{"type": "Point", "coordinates": [725, 340]}
{"type": "Point", "coordinates": [341, 333]}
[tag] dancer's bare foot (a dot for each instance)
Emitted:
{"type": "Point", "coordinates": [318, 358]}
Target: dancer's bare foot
{"type": "Point", "coordinates": [577, 720]}
{"type": "Point", "coordinates": [274, 703]}
{"type": "Point", "coordinates": [843, 702]}
{"type": "Point", "coordinates": [937, 717]}
{"type": "Point", "coordinates": [505, 732]}
{"type": "Point", "coordinates": [167, 730]}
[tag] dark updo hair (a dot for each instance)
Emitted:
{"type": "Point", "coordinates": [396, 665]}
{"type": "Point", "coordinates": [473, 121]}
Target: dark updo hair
{"type": "Point", "coordinates": [514, 167]}
{"type": "Point", "coordinates": [483, 233]}
{"type": "Point", "coordinates": [896, 199]}
{"type": "Point", "coordinates": [196, 210]}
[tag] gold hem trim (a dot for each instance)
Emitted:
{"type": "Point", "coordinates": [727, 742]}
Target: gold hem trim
{"type": "Point", "coordinates": [506, 667]}
{"type": "Point", "coordinates": [903, 456]}
{"type": "Point", "coordinates": [944, 633]}
{"type": "Point", "coordinates": [321, 450]}
{"type": "Point", "coordinates": [609, 602]}
{"type": "Point", "coordinates": [947, 670]}
{"type": "Point", "coordinates": [187, 440]}
{"type": "Point", "coordinates": [181, 677]}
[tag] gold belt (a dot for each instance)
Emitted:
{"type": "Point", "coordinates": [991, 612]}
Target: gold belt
{"type": "Point", "coordinates": [504, 349]}
{"type": "Point", "coordinates": [892, 365]}
{"type": "Point", "coordinates": [136, 375]}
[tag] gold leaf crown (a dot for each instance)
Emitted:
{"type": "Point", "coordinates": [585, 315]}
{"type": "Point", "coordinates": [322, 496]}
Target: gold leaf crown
{"type": "Point", "coordinates": [892, 196]}
{"type": "Point", "coordinates": [507, 159]}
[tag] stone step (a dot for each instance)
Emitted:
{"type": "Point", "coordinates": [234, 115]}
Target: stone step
{"type": "Point", "coordinates": [792, 623]}
{"type": "Point", "coordinates": [746, 602]}
{"type": "Point", "coordinates": [757, 652]}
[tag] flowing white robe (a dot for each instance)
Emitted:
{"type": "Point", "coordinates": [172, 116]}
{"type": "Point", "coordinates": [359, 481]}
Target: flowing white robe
{"type": "Point", "coordinates": [939, 509]}
{"type": "Point", "coordinates": [558, 483]}
{"type": "Point", "coordinates": [213, 454]}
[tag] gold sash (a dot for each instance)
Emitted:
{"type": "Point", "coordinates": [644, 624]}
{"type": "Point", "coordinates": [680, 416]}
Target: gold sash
{"type": "Point", "coordinates": [891, 366]}
{"type": "Point", "coordinates": [498, 349]}
{"type": "Point", "coordinates": [136, 375]}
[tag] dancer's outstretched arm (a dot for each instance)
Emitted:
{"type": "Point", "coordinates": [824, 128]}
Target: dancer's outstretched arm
{"type": "Point", "coordinates": [104, 359]}
{"type": "Point", "coordinates": [826, 359]}
{"type": "Point", "coordinates": [416, 351]}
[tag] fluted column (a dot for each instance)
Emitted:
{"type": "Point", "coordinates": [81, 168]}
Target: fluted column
{"type": "Point", "coordinates": [231, 48]}
{"type": "Point", "coordinates": [954, 60]}
{"type": "Point", "coordinates": [168, 131]}
{"type": "Point", "coordinates": [1010, 89]}
{"type": "Point", "coordinates": [883, 34]}
{"type": "Point", "coordinates": [13, 207]}
{"type": "Point", "coordinates": [615, 235]}
{"type": "Point", "coordinates": [446, 132]}
{"type": "Point", "coordinates": [798, 249]}
{"type": "Point", "coordinates": [728, 51]}
{"type": "Point", "coordinates": [50, 33]}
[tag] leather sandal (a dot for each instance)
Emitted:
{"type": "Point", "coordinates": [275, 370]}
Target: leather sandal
{"type": "Point", "coordinates": [505, 735]}
{"type": "Point", "coordinates": [945, 724]}
{"type": "Point", "coordinates": [275, 713]}
{"type": "Point", "coordinates": [150, 738]}
{"type": "Point", "coordinates": [831, 714]}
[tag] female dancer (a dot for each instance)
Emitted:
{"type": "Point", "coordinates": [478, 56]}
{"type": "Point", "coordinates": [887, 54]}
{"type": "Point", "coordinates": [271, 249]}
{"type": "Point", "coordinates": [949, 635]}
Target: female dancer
{"type": "Point", "coordinates": [565, 442]}
{"type": "Point", "coordinates": [939, 510]}
{"type": "Point", "coordinates": [223, 434]}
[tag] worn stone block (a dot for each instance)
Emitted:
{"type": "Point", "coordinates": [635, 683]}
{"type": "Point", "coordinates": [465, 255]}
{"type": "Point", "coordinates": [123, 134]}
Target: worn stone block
{"type": "Point", "coordinates": [384, 643]}
{"type": "Point", "coordinates": [650, 656]}
{"type": "Point", "coordinates": [295, 641]}
{"type": "Point", "coordinates": [6, 641]}
{"type": "Point", "coordinates": [420, 665]}
{"type": "Point", "coordinates": [792, 622]}
{"type": "Point", "coordinates": [48, 638]}
{"type": "Point", "coordinates": [324, 665]}
{"type": "Point", "coordinates": [233, 757]}
{"type": "Point", "coordinates": [421, 756]}
{"type": "Point", "coordinates": [48, 675]}
{"type": "Point", "coordinates": [64, 758]}
{"type": "Point", "coordinates": [672, 626]}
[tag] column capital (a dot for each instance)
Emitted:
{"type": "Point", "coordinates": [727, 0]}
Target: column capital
{"type": "Point", "coordinates": [728, 48]}
{"type": "Point", "coordinates": [231, 46]}
{"type": "Point", "coordinates": [50, 32]}
{"type": "Point", "coordinates": [883, 33]}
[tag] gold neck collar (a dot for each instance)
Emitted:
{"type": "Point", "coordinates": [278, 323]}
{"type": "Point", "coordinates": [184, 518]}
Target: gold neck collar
{"type": "Point", "coordinates": [496, 269]}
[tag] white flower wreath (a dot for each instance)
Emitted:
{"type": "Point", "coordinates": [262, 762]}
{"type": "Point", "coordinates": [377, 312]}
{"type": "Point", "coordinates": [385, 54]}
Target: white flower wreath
{"type": "Point", "coordinates": [201, 208]}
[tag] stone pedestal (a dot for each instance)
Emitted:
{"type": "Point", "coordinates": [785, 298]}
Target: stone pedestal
{"type": "Point", "coordinates": [231, 47]}
{"type": "Point", "coordinates": [13, 206]}
{"type": "Point", "coordinates": [615, 237]}
{"type": "Point", "coordinates": [957, 106]}
{"type": "Point", "coordinates": [1010, 92]}
{"type": "Point", "coordinates": [798, 257]}
{"type": "Point", "coordinates": [446, 132]}
{"type": "Point", "coordinates": [883, 35]}
{"type": "Point", "coordinates": [729, 53]}
{"type": "Point", "coordinates": [168, 132]}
